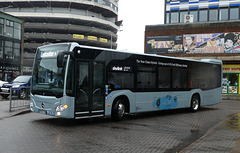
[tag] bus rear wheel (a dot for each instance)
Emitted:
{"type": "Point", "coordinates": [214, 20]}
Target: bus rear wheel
{"type": "Point", "coordinates": [195, 103]}
{"type": "Point", "coordinates": [118, 110]}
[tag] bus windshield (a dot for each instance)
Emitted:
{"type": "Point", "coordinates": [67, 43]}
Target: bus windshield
{"type": "Point", "coordinates": [48, 79]}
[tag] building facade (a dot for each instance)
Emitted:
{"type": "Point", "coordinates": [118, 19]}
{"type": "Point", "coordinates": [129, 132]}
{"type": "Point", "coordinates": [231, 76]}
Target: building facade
{"type": "Point", "coordinates": [180, 11]}
{"type": "Point", "coordinates": [199, 29]}
{"type": "Point", "coordinates": [214, 40]}
{"type": "Point", "coordinates": [11, 46]}
{"type": "Point", "coordinates": [88, 22]}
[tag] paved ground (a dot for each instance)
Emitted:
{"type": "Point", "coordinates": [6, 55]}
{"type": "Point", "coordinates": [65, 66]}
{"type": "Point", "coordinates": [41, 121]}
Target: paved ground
{"type": "Point", "coordinates": [212, 129]}
{"type": "Point", "coordinates": [223, 137]}
{"type": "Point", "coordinates": [5, 110]}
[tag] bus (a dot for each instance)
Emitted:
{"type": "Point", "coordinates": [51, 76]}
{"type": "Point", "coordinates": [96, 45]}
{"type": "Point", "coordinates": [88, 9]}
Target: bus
{"type": "Point", "coordinates": [74, 81]}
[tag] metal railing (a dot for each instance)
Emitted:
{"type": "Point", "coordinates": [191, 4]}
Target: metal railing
{"type": "Point", "coordinates": [19, 99]}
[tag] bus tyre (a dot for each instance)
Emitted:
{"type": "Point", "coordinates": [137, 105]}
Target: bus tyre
{"type": "Point", "coordinates": [195, 103]}
{"type": "Point", "coordinates": [118, 110]}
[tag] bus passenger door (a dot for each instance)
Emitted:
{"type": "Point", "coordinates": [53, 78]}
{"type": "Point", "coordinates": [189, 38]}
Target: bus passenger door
{"type": "Point", "coordinates": [90, 85]}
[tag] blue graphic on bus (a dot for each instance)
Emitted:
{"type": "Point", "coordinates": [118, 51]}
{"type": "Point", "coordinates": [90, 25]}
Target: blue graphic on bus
{"type": "Point", "coordinates": [167, 102]}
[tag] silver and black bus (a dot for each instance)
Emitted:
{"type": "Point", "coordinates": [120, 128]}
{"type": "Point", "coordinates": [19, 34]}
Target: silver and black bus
{"type": "Point", "coordinates": [74, 81]}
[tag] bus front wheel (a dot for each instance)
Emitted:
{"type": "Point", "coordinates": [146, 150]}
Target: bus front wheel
{"type": "Point", "coordinates": [118, 110]}
{"type": "Point", "coordinates": [195, 103]}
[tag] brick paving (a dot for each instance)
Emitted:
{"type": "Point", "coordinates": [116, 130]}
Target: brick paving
{"type": "Point", "coordinates": [222, 138]}
{"type": "Point", "coordinates": [167, 131]}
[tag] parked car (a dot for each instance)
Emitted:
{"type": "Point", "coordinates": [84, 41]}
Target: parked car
{"type": "Point", "coordinates": [2, 82]}
{"type": "Point", "coordinates": [20, 87]}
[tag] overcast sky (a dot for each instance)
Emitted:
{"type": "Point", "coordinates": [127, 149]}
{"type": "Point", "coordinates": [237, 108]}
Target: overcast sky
{"type": "Point", "coordinates": [135, 15]}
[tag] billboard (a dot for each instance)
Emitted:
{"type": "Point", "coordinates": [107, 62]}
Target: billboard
{"type": "Point", "coordinates": [164, 44]}
{"type": "Point", "coordinates": [194, 43]}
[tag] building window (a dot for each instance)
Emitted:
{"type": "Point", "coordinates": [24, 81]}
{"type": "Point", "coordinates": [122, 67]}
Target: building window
{"type": "Point", "coordinates": [9, 29]}
{"type": "Point", "coordinates": [8, 50]}
{"type": "Point", "coordinates": [203, 15]}
{"type": "Point", "coordinates": [195, 15]}
{"type": "Point", "coordinates": [174, 17]}
{"type": "Point", "coordinates": [16, 51]}
{"type": "Point", "coordinates": [1, 27]}
{"type": "Point", "coordinates": [17, 30]}
{"type": "Point", "coordinates": [182, 16]}
{"type": "Point", "coordinates": [167, 17]}
{"type": "Point", "coordinates": [234, 13]}
{"type": "Point", "coordinates": [1, 49]}
{"type": "Point", "coordinates": [223, 14]}
{"type": "Point", "coordinates": [213, 15]}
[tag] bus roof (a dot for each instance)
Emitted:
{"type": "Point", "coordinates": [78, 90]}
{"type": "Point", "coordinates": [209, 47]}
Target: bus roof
{"type": "Point", "coordinates": [74, 44]}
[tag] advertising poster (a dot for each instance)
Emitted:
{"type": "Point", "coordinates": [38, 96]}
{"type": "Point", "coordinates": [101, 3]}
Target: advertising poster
{"type": "Point", "coordinates": [232, 89]}
{"type": "Point", "coordinates": [204, 43]}
{"type": "Point", "coordinates": [164, 44]}
{"type": "Point", "coordinates": [194, 43]}
{"type": "Point", "coordinates": [231, 43]}
{"type": "Point", "coordinates": [224, 89]}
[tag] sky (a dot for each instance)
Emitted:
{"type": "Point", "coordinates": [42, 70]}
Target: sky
{"type": "Point", "coordinates": [135, 15]}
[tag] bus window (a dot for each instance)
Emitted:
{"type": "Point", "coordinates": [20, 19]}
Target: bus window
{"type": "Point", "coordinates": [179, 78]}
{"type": "Point", "coordinates": [164, 77]}
{"type": "Point", "coordinates": [199, 74]}
{"type": "Point", "coordinates": [70, 81]}
{"type": "Point", "coordinates": [120, 80]}
{"type": "Point", "coordinates": [214, 80]}
{"type": "Point", "coordinates": [146, 78]}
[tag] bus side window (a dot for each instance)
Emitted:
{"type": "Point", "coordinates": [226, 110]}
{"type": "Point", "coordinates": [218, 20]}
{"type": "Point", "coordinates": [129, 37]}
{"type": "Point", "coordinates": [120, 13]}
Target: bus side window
{"type": "Point", "coordinates": [120, 80]}
{"type": "Point", "coordinates": [164, 77]}
{"type": "Point", "coordinates": [146, 78]}
{"type": "Point", "coordinates": [179, 78]}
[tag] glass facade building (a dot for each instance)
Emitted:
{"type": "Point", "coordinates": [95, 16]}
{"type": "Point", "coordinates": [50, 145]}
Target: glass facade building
{"type": "Point", "coordinates": [10, 46]}
{"type": "Point", "coordinates": [87, 22]}
{"type": "Point", "coordinates": [201, 10]}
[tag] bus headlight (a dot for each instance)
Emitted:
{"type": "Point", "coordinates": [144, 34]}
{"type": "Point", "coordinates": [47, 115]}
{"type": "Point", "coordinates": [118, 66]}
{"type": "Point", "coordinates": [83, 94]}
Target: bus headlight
{"type": "Point", "coordinates": [61, 108]}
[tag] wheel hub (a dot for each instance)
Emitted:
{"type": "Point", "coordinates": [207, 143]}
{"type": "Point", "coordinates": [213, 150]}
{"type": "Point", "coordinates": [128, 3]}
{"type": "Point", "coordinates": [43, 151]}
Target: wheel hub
{"type": "Point", "coordinates": [121, 109]}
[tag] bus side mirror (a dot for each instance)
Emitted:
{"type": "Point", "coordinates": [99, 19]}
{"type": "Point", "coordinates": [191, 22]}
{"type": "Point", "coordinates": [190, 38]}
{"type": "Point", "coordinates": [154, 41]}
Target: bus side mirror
{"type": "Point", "coordinates": [60, 57]}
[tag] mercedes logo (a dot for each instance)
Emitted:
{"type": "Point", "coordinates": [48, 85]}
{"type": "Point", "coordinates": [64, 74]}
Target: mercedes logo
{"type": "Point", "coordinates": [43, 105]}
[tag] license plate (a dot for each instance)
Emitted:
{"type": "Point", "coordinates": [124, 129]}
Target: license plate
{"type": "Point", "coordinates": [43, 112]}
{"type": "Point", "coordinates": [5, 90]}
{"type": "Point", "coordinates": [46, 112]}
{"type": "Point", "coordinates": [50, 113]}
